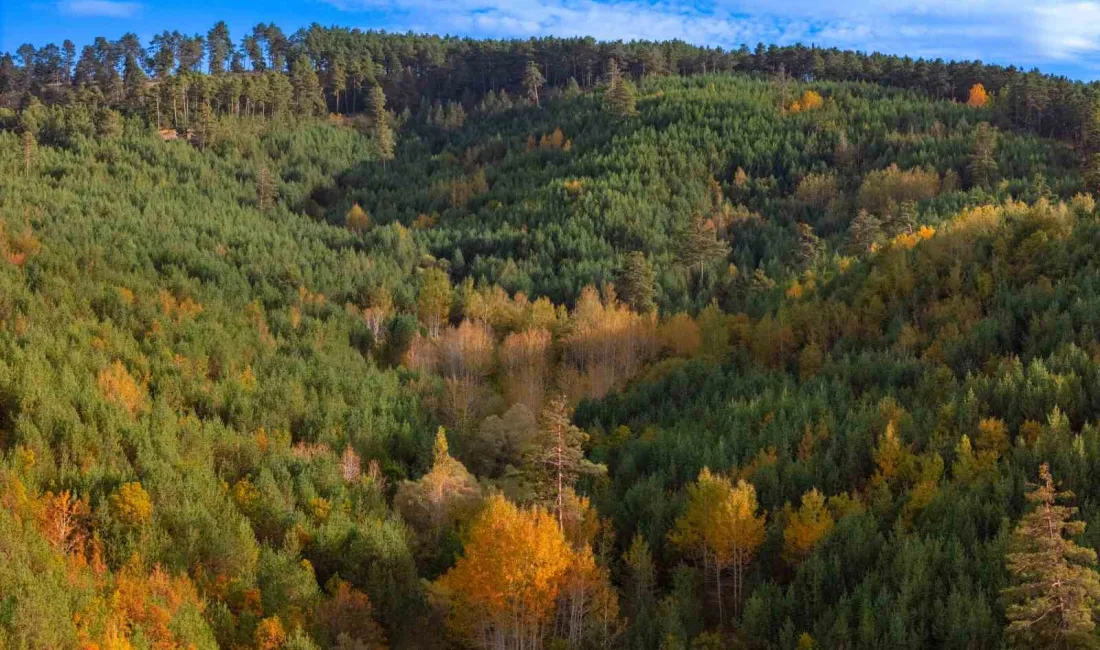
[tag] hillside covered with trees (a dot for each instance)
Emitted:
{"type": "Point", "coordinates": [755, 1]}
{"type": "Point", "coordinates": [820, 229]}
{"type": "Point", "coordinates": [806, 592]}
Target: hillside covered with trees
{"type": "Point", "coordinates": [356, 340]}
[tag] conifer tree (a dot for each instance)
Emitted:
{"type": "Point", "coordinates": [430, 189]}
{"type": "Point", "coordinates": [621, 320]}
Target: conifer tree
{"type": "Point", "coordinates": [557, 455]}
{"type": "Point", "coordinates": [810, 247]}
{"type": "Point", "coordinates": [1055, 593]}
{"type": "Point", "coordinates": [619, 97]}
{"type": "Point", "coordinates": [219, 48]}
{"type": "Point", "coordinates": [983, 165]}
{"type": "Point", "coordinates": [532, 81]}
{"type": "Point", "coordinates": [699, 244]}
{"type": "Point", "coordinates": [381, 130]}
{"type": "Point", "coordinates": [636, 283]}
{"type": "Point", "coordinates": [307, 89]}
{"type": "Point", "coordinates": [902, 220]}
{"type": "Point", "coordinates": [865, 232]}
{"type": "Point", "coordinates": [266, 190]}
{"type": "Point", "coordinates": [640, 596]}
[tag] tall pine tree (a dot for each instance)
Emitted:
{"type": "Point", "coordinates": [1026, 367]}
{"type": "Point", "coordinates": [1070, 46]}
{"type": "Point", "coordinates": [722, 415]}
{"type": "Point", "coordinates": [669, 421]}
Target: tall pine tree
{"type": "Point", "coordinates": [1053, 600]}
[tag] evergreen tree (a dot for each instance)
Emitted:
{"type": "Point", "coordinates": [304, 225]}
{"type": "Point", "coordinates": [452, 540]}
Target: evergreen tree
{"type": "Point", "coordinates": [266, 190]}
{"type": "Point", "coordinates": [810, 247]}
{"type": "Point", "coordinates": [699, 245]}
{"type": "Point", "coordinates": [640, 594]}
{"type": "Point", "coordinates": [380, 125]}
{"type": "Point", "coordinates": [636, 283]}
{"type": "Point", "coordinates": [557, 456]}
{"type": "Point", "coordinates": [902, 220]}
{"type": "Point", "coordinates": [865, 232]}
{"type": "Point", "coordinates": [1056, 591]}
{"type": "Point", "coordinates": [532, 81]}
{"type": "Point", "coordinates": [219, 48]}
{"type": "Point", "coordinates": [983, 164]}
{"type": "Point", "coordinates": [308, 100]}
{"type": "Point", "coordinates": [619, 96]}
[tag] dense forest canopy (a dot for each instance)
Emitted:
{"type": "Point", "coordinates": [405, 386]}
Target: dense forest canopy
{"type": "Point", "coordinates": [350, 339]}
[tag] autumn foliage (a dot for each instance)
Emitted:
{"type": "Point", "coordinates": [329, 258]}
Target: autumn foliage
{"type": "Point", "coordinates": [503, 590]}
{"type": "Point", "coordinates": [721, 528]}
{"type": "Point", "coordinates": [978, 96]}
{"type": "Point", "coordinates": [118, 386]}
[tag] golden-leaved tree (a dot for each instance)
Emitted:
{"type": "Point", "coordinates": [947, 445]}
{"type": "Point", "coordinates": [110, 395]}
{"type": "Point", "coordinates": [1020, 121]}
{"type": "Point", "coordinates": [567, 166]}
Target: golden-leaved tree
{"type": "Point", "coordinates": [722, 529]}
{"type": "Point", "coordinates": [978, 96]}
{"type": "Point", "coordinates": [502, 592]}
{"type": "Point", "coordinates": [806, 526]}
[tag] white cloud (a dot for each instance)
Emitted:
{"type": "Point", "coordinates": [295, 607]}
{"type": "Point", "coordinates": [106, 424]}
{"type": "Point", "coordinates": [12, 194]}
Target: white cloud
{"type": "Point", "coordinates": [1024, 32]}
{"type": "Point", "coordinates": [98, 8]}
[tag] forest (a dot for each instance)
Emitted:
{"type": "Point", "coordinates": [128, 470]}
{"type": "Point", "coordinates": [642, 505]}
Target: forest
{"type": "Point", "coordinates": [359, 340]}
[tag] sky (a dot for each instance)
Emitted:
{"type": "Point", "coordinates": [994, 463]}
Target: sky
{"type": "Point", "coordinates": [1057, 36]}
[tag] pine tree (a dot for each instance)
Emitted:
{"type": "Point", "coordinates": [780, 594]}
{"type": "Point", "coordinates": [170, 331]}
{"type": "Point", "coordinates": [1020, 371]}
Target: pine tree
{"type": "Point", "coordinates": [1055, 593]}
{"type": "Point", "coordinates": [337, 79]}
{"type": "Point", "coordinates": [902, 220]}
{"type": "Point", "coordinates": [636, 283]}
{"type": "Point", "coordinates": [28, 150]}
{"type": "Point", "coordinates": [532, 81]}
{"type": "Point", "coordinates": [619, 96]}
{"type": "Point", "coordinates": [266, 190]}
{"type": "Point", "coordinates": [640, 595]}
{"type": "Point", "coordinates": [557, 456]}
{"type": "Point", "coordinates": [699, 244]}
{"type": "Point", "coordinates": [383, 133]}
{"type": "Point", "coordinates": [810, 247]}
{"type": "Point", "coordinates": [308, 99]}
{"type": "Point", "coordinates": [219, 48]}
{"type": "Point", "coordinates": [572, 89]}
{"type": "Point", "coordinates": [983, 165]}
{"type": "Point", "coordinates": [865, 232]}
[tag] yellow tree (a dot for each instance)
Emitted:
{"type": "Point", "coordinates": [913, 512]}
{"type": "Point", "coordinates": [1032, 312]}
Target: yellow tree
{"type": "Point", "coordinates": [811, 100]}
{"type": "Point", "coordinates": [131, 504]}
{"type": "Point", "coordinates": [978, 96]}
{"type": "Point", "coordinates": [806, 526]}
{"type": "Point", "coordinates": [721, 528]}
{"type": "Point", "coordinates": [465, 357]}
{"type": "Point", "coordinates": [433, 304]}
{"type": "Point", "coordinates": [525, 366]}
{"type": "Point", "coordinates": [357, 219]}
{"type": "Point", "coordinates": [502, 592]}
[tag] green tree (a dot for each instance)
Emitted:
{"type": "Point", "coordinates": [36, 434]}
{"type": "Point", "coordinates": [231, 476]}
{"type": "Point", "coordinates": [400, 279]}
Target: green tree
{"type": "Point", "coordinates": [1055, 593]}
{"type": "Point", "coordinates": [636, 283]}
{"type": "Point", "coordinates": [699, 245]}
{"type": "Point", "coordinates": [384, 141]}
{"type": "Point", "coordinates": [809, 247]}
{"type": "Point", "coordinates": [532, 81]}
{"type": "Point", "coordinates": [983, 163]}
{"type": "Point", "coordinates": [640, 593]}
{"type": "Point", "coordinates": [865, 232]}
{"type": "Point", "coordinates": [619, 96]}
{"type": "Point", "coordinates": [219, 48]}
{"type": "Point", "coordinates": [557, 456]}
{"type": "Point", "coordinates": [266, 190]}
{"type": "Point", "coordinates": [308, 100]}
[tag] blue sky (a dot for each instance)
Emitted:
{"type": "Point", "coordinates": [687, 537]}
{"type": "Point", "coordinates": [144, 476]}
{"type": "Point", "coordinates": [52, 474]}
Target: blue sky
{"type": "Point", "coordinates": [1059, 36]}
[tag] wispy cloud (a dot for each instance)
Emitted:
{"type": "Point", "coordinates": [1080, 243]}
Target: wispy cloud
{"type": "Point", "coordinates": [1026, 32]}
{"type": "Point", "coordinates": [98, 8]}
